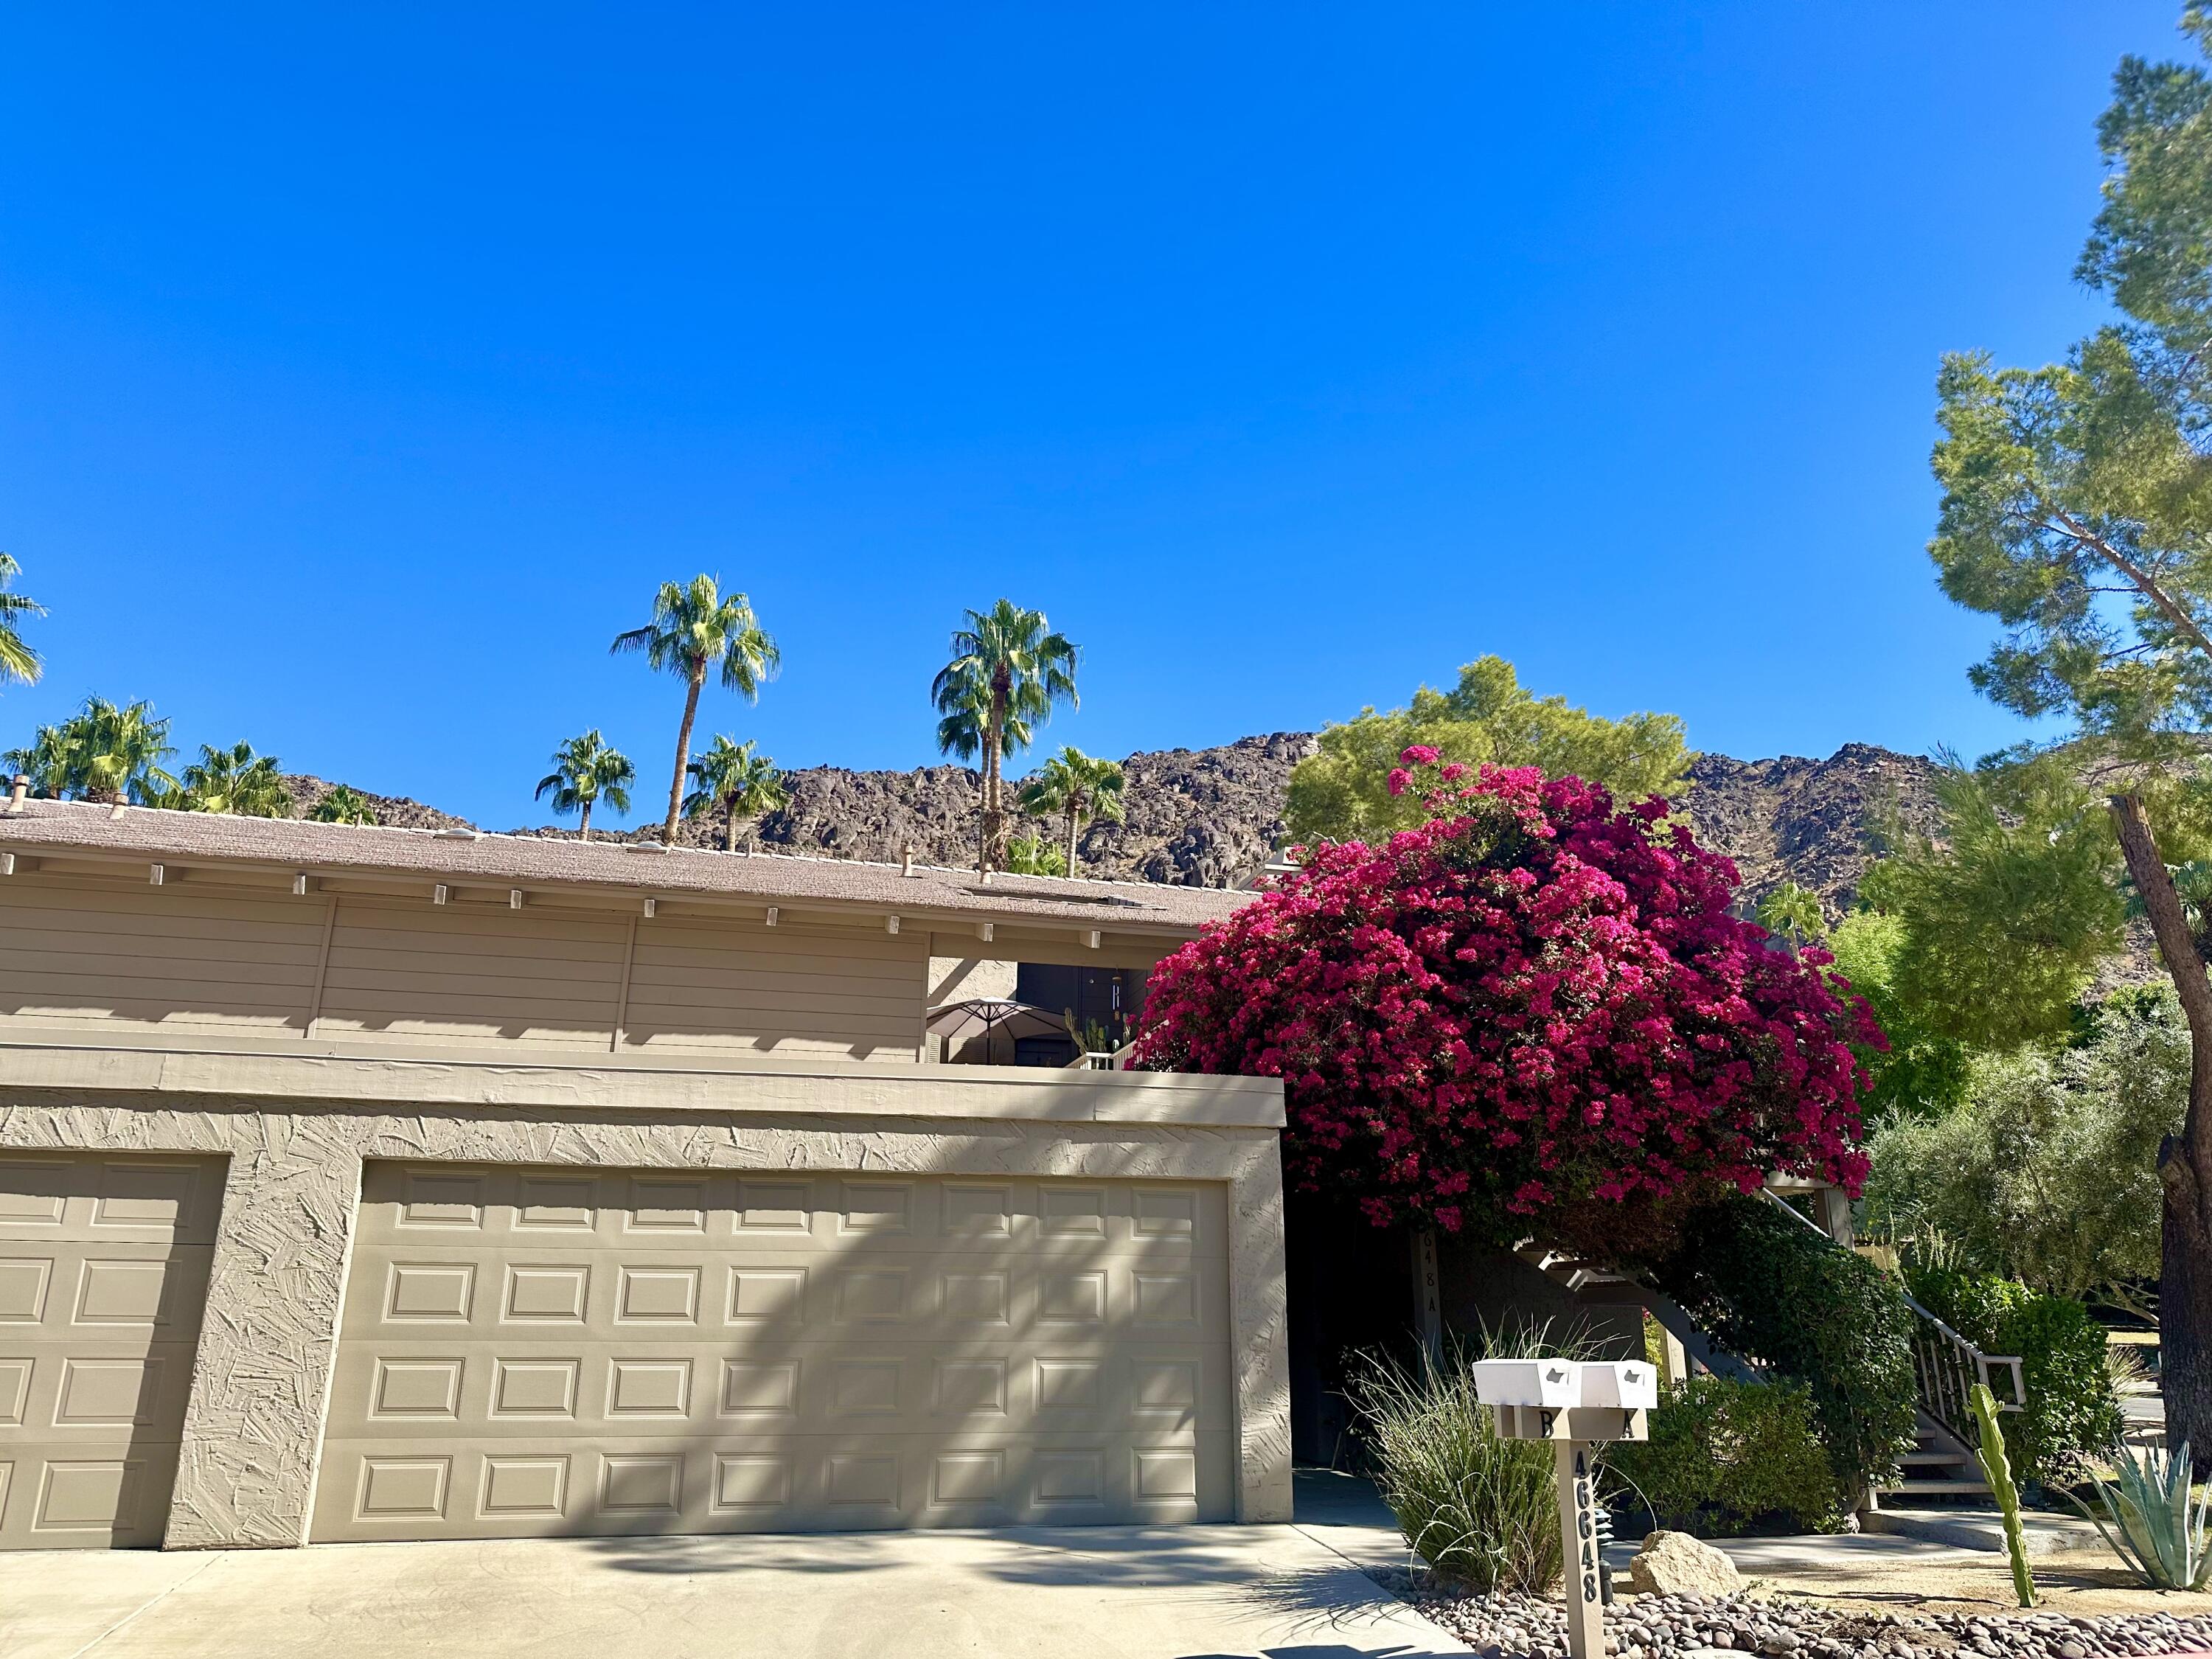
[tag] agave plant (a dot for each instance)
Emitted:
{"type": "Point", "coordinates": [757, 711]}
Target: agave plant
{"type": "Point", "coordinates": [2155, 1528]}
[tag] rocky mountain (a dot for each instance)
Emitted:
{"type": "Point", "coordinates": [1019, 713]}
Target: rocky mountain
{"type": "Point", "coordinates": [1193, 817]}
{"type": "Point", "coordinates": [393, 811]}
{"type": "Point", "coordinates": [1811, 822]}
{"type": "Point", "coordinates": [1205, 817]}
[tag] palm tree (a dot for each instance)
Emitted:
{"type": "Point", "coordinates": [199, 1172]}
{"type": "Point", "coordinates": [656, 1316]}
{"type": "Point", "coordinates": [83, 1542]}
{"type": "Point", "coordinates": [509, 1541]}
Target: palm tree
{"type": "Point", "coordinates": [17, 660]}
{"type": "Point", "coordinates": [1033, 855]}
{"type": "Point", "coordinates": [44, 760]}
{"type": "Point", "coordinates": [341, 805]}
{"type": "Point", "coordinates": [102, 752]}
{"type": "Point", "coordinates": [694, 627]}
{"type": "Point", "coordinates": [235, 780]}
{"type": "Point", "coordinates": [586, 771]}
{"type": "Point", "coordinates": [1008, 669]}
{"type": "Point", "coordinates": [1074, 786]}
{"type": "Point", "coordinates": [733, 778]}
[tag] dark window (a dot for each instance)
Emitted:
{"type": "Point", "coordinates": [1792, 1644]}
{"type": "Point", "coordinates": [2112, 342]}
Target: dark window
{"type": "Point", "coordinates": [1103, 1002]}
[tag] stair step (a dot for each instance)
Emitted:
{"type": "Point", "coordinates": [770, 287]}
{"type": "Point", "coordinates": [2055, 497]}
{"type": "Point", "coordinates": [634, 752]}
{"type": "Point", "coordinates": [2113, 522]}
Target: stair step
{"type": "Point", "coordinates": [1931, 1488]}
{"type": "Point", "coordinates": [1940, 1459]}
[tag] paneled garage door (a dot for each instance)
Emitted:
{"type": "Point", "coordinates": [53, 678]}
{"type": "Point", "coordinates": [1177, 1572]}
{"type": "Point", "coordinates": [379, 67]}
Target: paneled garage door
{"type": "Point", "coordinates": [542, 1351]}
{"type": "Point", "coordinates": [103, 1271]}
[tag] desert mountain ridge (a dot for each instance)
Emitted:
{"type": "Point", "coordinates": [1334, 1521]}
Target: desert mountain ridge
{"type": "Point", "coordinates": [1207, 818]}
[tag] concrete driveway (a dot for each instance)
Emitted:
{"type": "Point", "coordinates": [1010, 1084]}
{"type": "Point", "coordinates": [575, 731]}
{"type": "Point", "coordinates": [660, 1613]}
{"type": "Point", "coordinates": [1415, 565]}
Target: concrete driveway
{"type": "Point", "coordinates": [1290, 1592]}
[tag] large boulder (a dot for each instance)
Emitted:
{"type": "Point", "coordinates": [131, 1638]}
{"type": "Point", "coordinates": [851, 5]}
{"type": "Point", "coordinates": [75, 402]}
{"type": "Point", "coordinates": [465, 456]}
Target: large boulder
{"type": "Point", "coordinates": [1675, 1563]}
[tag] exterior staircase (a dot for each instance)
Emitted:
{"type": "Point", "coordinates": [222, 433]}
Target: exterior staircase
{"type": "Point", "coordinates": [1940, 1468]}
{"type": "Point", "coordinates": [1939, 1473]}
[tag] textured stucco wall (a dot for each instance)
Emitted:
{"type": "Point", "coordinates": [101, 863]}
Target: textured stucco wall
{"type": "Point", "coordinates": [253, 1430]}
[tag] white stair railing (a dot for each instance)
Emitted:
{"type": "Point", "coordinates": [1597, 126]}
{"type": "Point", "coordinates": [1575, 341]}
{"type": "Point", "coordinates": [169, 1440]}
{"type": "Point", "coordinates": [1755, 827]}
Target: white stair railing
{"type": "Point", "coordinates": [1945, 1365]}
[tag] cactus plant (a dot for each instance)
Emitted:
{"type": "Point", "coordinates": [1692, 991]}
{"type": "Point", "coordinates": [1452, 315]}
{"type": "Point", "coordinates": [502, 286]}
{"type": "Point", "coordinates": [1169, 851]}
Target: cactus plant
{"type": "Point", "coordinates": [1996, 1469]}
{"type": "Point", "coordinates": [2156, 1528]}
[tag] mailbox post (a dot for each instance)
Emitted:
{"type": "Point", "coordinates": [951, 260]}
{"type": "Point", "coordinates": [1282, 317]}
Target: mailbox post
{"type": "Point", "coordinates": [1577, 1406]}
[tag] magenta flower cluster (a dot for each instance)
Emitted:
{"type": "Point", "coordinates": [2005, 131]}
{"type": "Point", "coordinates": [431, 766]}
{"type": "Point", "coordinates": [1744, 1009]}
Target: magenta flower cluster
{"type": "Point", "coordinates": [1534, 1000]}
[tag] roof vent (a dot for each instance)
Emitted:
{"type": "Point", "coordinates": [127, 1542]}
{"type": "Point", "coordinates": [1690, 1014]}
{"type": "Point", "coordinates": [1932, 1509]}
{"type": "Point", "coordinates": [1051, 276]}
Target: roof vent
{"type": "Point", "coordinates": [646, 845]}
{"type": "Point", "coordinates": [457, 834]}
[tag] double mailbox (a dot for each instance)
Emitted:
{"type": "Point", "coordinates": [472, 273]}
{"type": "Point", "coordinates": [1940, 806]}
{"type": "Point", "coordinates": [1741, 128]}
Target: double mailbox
{"type": "Point", "coordinates": [1583, 1400]}
{"type": "Point", "coordinates": [1577, 1405]}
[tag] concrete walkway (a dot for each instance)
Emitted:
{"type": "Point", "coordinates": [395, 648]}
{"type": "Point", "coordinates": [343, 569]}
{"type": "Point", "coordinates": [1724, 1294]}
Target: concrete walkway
{"type": "Point", "coordinates": [1105, 1593]}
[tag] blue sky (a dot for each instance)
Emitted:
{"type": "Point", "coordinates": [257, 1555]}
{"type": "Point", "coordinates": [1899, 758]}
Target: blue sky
{"type": "Point", "coordinates": [363, 369]}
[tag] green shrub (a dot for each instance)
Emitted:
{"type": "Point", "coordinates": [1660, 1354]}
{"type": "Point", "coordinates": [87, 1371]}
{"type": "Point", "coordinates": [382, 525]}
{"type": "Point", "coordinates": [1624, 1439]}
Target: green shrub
{"type": "Point", "coordinates": [1773, 1290]}
{"type": "Point", "coordinates": [1481, 1510]}
{"type": "Point", "coordinates": [1724, 1455]}
{"type": "Point", "coordinates": [2072, 1410]}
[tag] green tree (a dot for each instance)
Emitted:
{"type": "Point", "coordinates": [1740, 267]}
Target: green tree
{"type": "Point", "coordinates": [2047, 1173]}
{"type": "Point", "coordinates": [1794, 912]}
{"type": "Point", "coordinates": [234, 781]}
{"type": "Point", "coordinates": [585, 772]}
{"type": "Point", "coordinates": [2078, 512]}
{"type": "Point", "coordinates": [342, 804]}
{"type": "Point", "coordinates": [1921, 1074]}
{"type": "Point", "coordinates": [738, 783]}
{"type": "Point", "coordinates": [1007, 672]}
{"type": "Point", "coordinates": [1342, 792]}
{"type": "Point", "coordinates": [44, 760]}
{"type": "Point", "coordinates": [1072, 787]}
{"type": "Point", "coordinates": [696, 627]}
{"type": "Point", "coordinates": [103, 752]}
{"type": "Point", "coordinates": [17, 660]}
{"type": "Point", "coordinates": [1033, 855]}
{"type": "Point", "coordinates": [2000, 923]}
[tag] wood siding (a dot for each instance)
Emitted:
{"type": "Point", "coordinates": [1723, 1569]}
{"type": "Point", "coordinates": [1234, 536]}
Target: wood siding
{"type": "Point", "coordinates": [107, 954]}
{"type": "Point", "coordinates": [443, 974]}
{"type": "Point", "coordinates": [91, 954]}
{"type": "Point", "coordinates": [740, 988]}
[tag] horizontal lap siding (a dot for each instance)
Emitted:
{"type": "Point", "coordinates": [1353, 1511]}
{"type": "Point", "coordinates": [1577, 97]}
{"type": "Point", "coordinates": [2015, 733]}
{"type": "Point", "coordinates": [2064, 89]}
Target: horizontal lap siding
{"type": "Point", "coordinates": [143, 957]}
{"type": "Point", "coordinates": [81, 955]}
{"type": "Point", "coordinates": [438, 974]}
{"type": "Point", "coordinates": [748, 988]}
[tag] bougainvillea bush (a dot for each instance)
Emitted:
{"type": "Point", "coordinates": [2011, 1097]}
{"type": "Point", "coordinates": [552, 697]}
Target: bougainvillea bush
{"type": "Point", "coordinates": [1533, 1014]}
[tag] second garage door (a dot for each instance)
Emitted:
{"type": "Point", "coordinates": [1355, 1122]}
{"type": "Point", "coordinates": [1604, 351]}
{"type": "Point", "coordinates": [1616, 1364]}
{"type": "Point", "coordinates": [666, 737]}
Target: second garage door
{"type": "Point", "coordinates": [104, 1263]}
{"type": "Point", "coordinates": [546, 1352]}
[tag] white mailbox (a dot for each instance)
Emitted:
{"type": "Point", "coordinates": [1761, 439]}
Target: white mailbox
{"type": "Point", "coordinates": [1551, 1382]}
{"type": "Point", "coordinates": [1577, 1405]}
{"type": "Point", "coordinates": [1629, 1384]}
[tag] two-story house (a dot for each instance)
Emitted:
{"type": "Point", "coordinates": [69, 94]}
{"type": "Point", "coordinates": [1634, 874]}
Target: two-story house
{"type": "Point", "coordinates": [365, 1183]}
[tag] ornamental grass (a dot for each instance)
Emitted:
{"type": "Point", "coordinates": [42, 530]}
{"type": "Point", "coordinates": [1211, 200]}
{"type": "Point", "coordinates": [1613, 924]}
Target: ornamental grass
{"type": "Point", "coordinates": [1481, 1511]}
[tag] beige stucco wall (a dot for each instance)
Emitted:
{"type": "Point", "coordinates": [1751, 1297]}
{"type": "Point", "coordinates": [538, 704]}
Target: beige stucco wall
{"type": "Point", "coordinates": [296, 1119]}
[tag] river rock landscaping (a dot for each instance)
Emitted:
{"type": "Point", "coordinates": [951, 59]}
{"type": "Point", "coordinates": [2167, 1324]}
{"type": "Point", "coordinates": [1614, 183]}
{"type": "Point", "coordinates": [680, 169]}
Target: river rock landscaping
{"type": "Point", "coordinates": [1516, 1627]}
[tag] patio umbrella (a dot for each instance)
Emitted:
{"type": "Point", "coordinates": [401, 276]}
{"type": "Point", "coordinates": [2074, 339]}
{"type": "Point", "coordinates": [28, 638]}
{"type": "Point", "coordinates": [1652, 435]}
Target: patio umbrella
{"type": "Point", "coordinates": [988, 1017]}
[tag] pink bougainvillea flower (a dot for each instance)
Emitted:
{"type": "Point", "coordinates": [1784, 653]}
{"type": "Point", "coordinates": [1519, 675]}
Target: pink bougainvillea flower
{"type": "Point", "coordinates": [1537, 1000]}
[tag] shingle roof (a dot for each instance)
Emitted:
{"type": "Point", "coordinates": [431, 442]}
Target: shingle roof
{"type": "Point", "coordinates": [185, 837]}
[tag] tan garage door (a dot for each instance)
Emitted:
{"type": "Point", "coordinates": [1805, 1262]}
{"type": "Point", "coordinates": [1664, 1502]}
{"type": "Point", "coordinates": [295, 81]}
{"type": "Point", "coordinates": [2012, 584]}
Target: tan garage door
{"type": "Point", "coordinates": [539, 1352]}
{"type": "Point", "coordinates": [103, 1272]}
